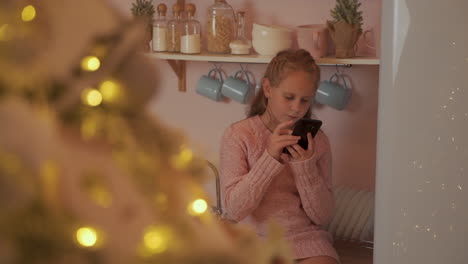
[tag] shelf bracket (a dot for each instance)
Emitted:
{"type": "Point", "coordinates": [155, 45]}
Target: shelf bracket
{"type": "Point", "coordinates": [178, 66]}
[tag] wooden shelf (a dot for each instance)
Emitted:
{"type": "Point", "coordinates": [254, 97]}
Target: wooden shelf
{"type": "Point", "coordinates": [177, 61]}
{"type": "Point", "coordinates": [257, 58]}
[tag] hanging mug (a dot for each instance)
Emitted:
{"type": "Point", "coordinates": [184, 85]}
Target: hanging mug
{"type": "Point", "coordinates": [332, 93]}
{"type": "Point", "coordinates": [210, 86]}
{"type": "Point", "coordinates": [236, 88]}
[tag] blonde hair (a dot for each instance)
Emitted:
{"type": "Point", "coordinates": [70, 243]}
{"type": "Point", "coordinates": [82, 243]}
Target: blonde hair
{"type": "Point", "coordinates": [280, 66]}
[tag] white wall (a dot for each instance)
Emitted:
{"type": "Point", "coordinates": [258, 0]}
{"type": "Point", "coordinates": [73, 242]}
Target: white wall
{"type": "Point", "coordinates": [422, 171]}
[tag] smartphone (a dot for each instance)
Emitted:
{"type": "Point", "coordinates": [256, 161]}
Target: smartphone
{"type": "Point", "coordinates": [302, 127]}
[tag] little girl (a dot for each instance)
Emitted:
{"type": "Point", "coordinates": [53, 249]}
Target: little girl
{"type": "Point", "coordinates": [260, 183]}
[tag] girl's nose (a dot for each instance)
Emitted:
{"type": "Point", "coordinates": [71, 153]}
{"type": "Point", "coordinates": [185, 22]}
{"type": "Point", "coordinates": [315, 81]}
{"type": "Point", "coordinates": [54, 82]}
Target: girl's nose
{"type": "Point", "coordinates": [296, 106]}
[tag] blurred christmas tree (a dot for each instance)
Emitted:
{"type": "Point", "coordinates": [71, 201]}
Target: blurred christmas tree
{"type": "Point", "coordinates": [86, 175]}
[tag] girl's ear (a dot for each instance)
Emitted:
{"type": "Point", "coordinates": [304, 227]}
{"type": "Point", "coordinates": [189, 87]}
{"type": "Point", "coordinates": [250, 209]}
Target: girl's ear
{"type": "Point", "coordinates": [266, 86]}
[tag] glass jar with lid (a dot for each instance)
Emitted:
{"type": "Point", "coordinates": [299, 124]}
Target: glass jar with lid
{"type": "Point", "coordinates": [190, 37]}
{"type": "Point", "coordinates": [174, 29]}
{"type": "Point", "coordinates": [220, 30]}
{"type": "Point", "coordinates": [160, 30]}
{"type": "Point", "coordinates": [241, 45]}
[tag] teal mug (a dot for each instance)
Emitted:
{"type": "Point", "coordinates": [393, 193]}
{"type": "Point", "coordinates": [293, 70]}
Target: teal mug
{"type": "Point", "coordinates": [332, 93]}
{"type": "Point", "coordinates": [236, 88]}
{"type": "Point", "coordinates": [210, 86]}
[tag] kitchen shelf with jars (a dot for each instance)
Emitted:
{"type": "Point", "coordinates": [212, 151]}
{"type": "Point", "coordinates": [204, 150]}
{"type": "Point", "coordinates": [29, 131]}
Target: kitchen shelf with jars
{"type": "Point", "coordinates": [179, 40]}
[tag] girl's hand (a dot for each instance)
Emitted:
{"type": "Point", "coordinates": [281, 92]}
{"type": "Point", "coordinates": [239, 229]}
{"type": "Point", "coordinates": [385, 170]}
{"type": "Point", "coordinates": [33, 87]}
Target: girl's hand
{"type": "Point", "coordinates": [281, 138]}
{"type": "Point", "coordinates": [299, 153]}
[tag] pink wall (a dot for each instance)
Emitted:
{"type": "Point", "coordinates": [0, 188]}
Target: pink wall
{"type": "Point", "coordinates": [352, 132]}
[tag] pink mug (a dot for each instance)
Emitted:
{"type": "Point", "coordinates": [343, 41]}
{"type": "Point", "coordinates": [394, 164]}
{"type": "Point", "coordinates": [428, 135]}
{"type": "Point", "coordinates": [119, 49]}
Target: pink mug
{"type": "Point", "coordinates": [314, 39]}
{"type": "Point", "coordinates": [371, 41]}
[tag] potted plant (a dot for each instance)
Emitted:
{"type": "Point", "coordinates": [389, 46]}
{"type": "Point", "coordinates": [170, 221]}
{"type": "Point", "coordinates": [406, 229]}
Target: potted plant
{"type": "Point", "coordinates": [144, 10]}
{"type": "Point", "coordinates": [346, 27]}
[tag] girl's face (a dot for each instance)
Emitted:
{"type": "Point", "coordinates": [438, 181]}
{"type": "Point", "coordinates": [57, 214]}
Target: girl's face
{"type": "Point", "coordinates": [291, 99]}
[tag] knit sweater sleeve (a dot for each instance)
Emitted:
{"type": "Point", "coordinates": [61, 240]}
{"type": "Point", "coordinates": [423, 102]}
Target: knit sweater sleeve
{"type": "Point", "coordinates": [314, 183]}
{"type": "Point", "coordinates": [243, 188]}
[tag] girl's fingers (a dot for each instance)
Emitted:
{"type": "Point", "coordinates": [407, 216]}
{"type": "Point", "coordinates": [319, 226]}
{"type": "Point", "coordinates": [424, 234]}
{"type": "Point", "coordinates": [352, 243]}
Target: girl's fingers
{"type": "Point", "coordinates": [310, 141]}
{"type": "Point", "coordinates": [286, 143]}
{"type": "Point", "coordinates": [285, 132]}
{"type": "Point", "coordinates": [298, 153]}
{"type": "Point", "coordinates": [288, 138]}
{"type": "Point", "coordinates": [293, 152]}
{"type": "Point", "coordinates": [298, 148]}
{"type": "Point", "coordinates": [282, 126]}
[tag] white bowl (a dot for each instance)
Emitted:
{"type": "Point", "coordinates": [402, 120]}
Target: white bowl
{"type": "Point", "coordinates": [269, 47]}
{"type": "Point", "coordinates": [270, 28]}
{"type": "Point", "coordinates": [270, 39]}
{"type": "Point", "coordinates": [271, 32]}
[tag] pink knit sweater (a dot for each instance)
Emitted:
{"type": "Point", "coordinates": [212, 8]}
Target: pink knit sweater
{"type": "Point", "coordinates": [296, 194]}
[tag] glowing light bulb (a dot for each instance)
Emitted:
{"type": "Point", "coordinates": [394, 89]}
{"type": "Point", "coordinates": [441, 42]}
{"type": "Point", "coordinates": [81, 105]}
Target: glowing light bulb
{"type": "Point", "coordinates": [86, 236]}
{"type": "Point", "coordinates": [198, 207]}
{"type": "Point", "coordinates": [186, 155]}
{"type": "Point", "coordinates": [90, 63]}
{"type": "Point", "coordinates": [110, 90]}
{"type": "Point", "coordinates": [156, 239]}
{"type": "Point", "coordinates": [92, 97]}
{"type": "Point", "coordinates": [28, 13]}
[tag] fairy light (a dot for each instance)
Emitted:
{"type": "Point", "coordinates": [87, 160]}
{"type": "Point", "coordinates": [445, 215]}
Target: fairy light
{"type": "Point", "coordinates": [156, 239]}
{"type": "Point", "coordinates": [49, 172]}
{"type": "Point", "coordinates": [184, 157]}
{"type": "Point", "coordinates": [28, 14]}
{"type": "Point", "coordinates": [89, 128]}
{"type": "Point", "coordinates": [110, 90]}
{"type": "Point", "coordinates": [92, 97]}
{"type": "Point", "coordinates": [198, 207]}
{"type": "Point", "coordinates": [101, 196]}
{"type": "Point", "coordinates": [160, 198]}
{"type": "Point", "coordinates": [87, 236]}
{"type": "Point", "coordinates": [90, 63]}
{"type": "Point", "coordinates": [4, 32]}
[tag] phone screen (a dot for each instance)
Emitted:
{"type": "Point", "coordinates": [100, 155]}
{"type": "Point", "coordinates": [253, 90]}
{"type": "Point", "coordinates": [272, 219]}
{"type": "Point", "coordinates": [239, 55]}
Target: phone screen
{"type": "Point", "coordinates": [302, 127]}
